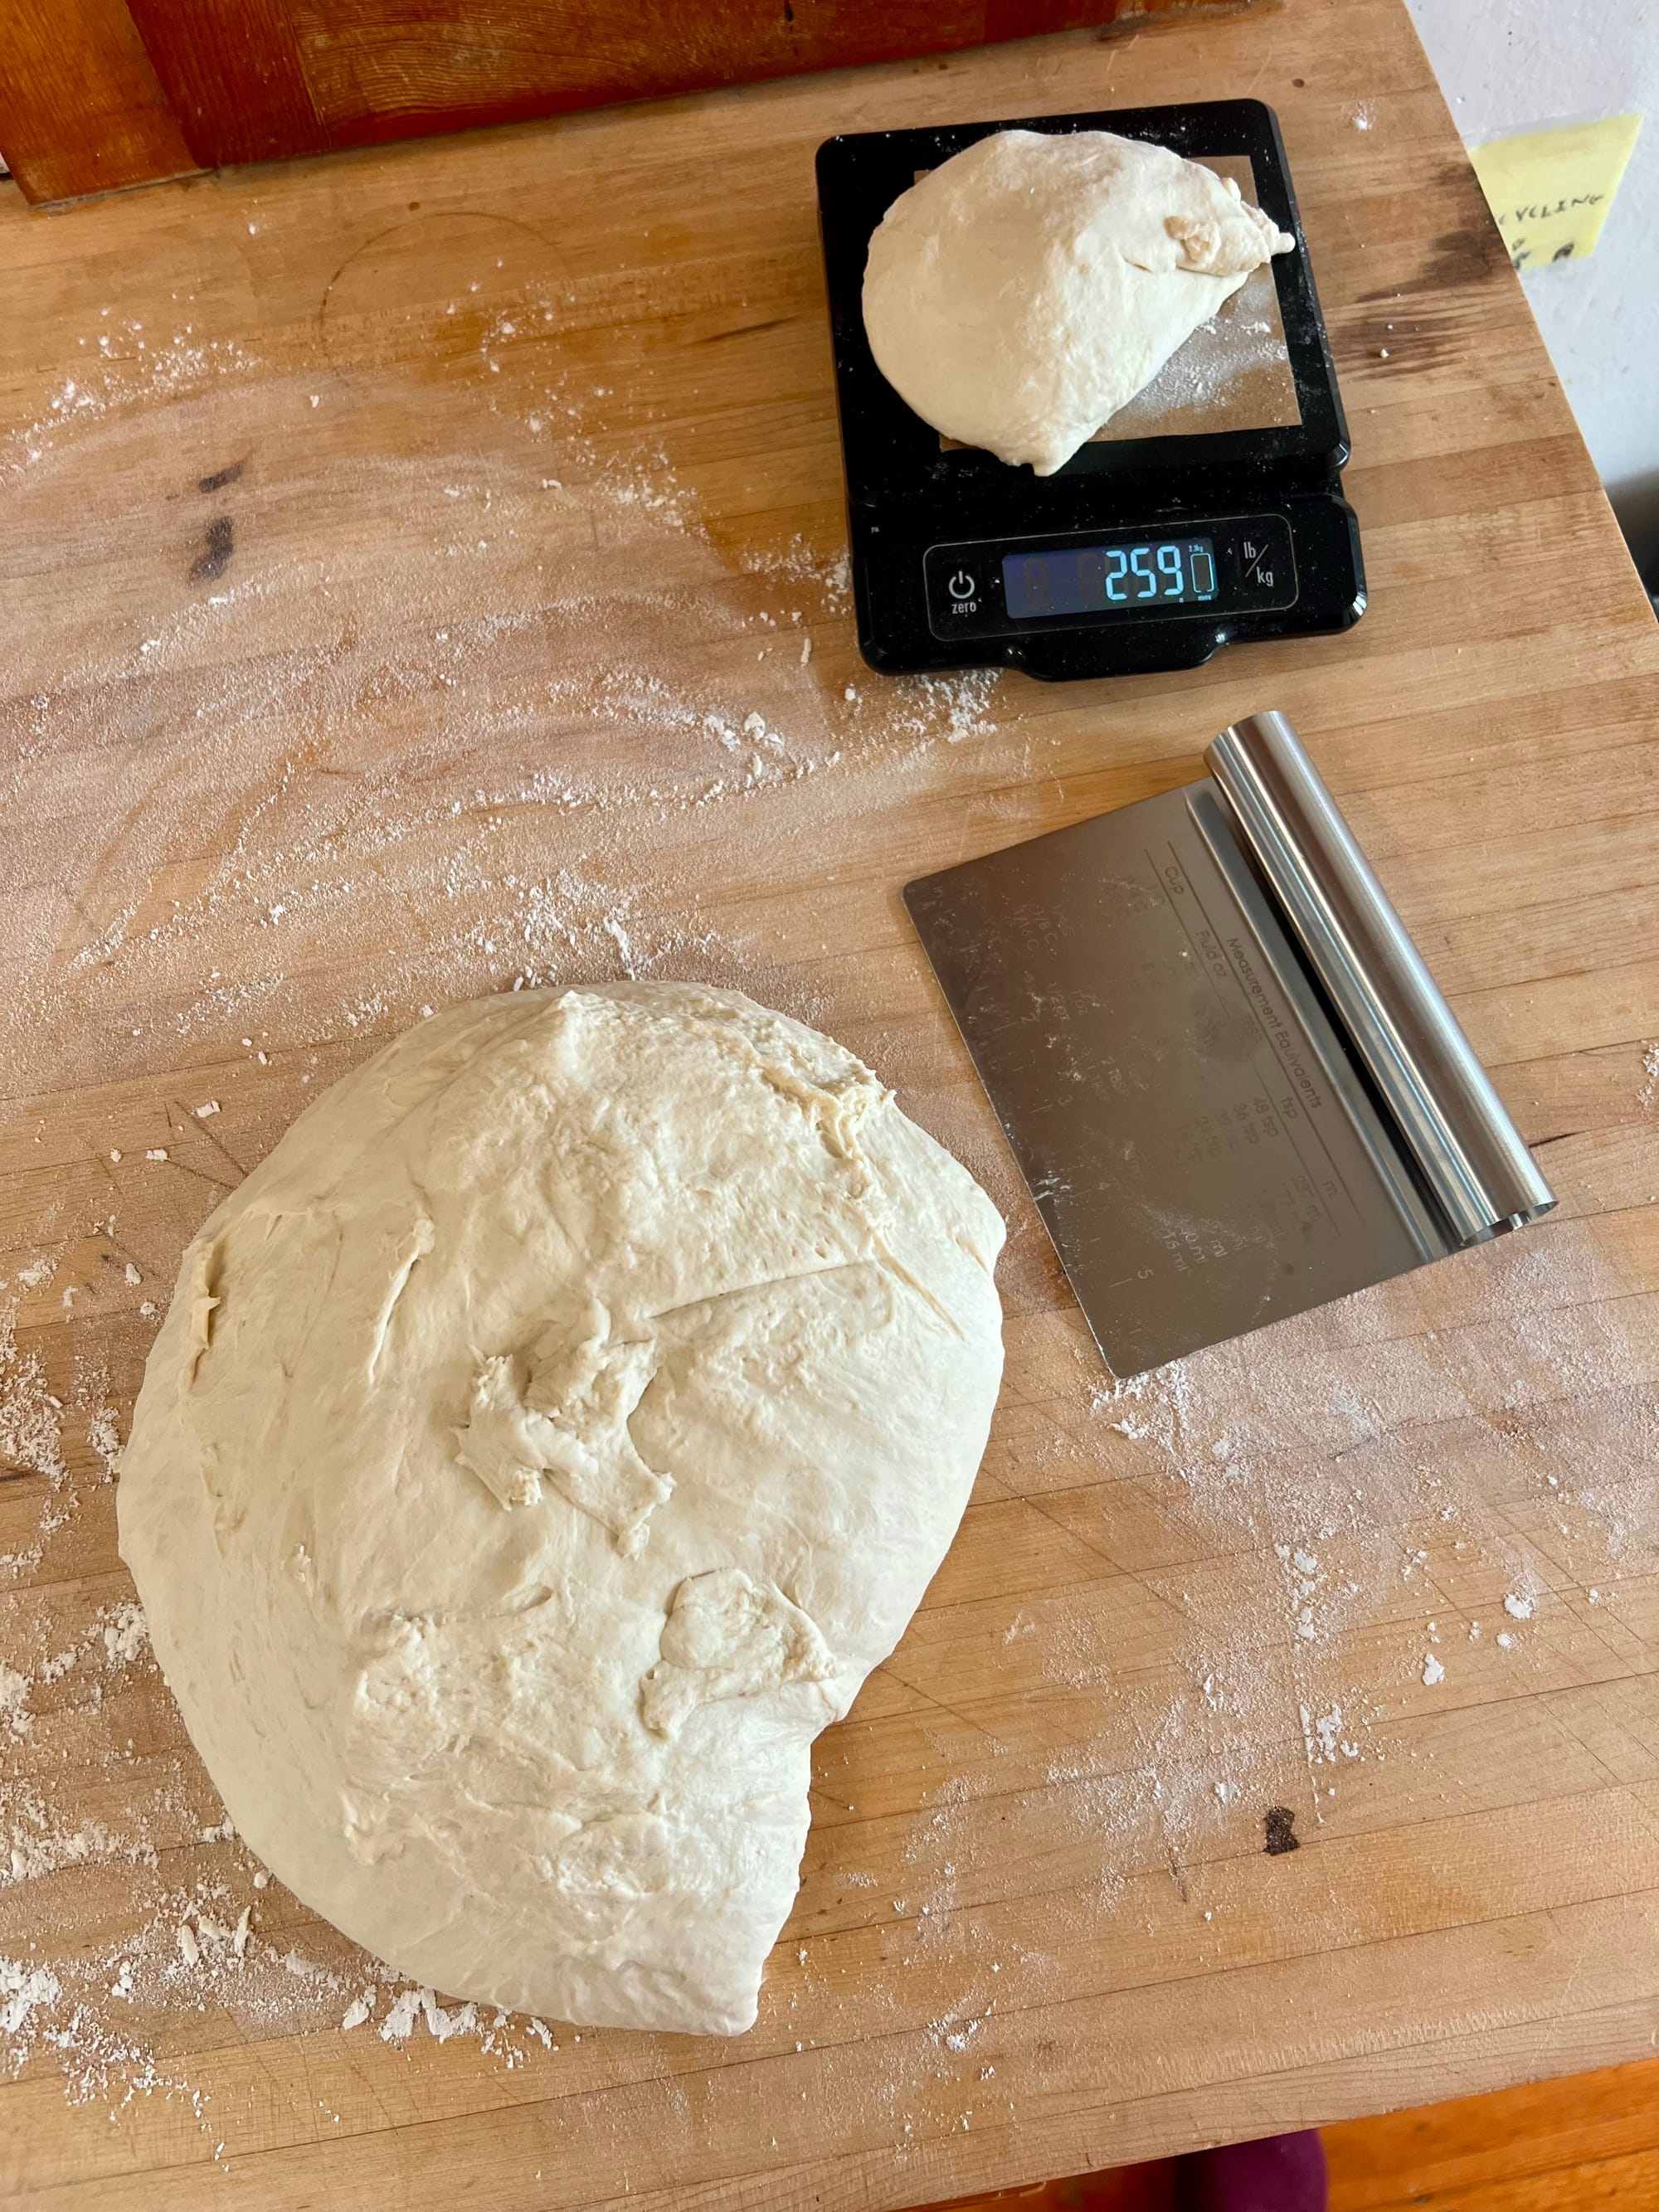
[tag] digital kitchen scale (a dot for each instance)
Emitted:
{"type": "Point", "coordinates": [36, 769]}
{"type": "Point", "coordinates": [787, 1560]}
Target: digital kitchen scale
{"type": "Point", "coordinates": [1207, 512]}
{"type": "Point", "coordinates": [1228, 1078]}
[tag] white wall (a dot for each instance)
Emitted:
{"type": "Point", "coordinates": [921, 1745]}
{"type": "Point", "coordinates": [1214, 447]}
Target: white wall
{"type": "Point", "coordinates": [1506, 65]}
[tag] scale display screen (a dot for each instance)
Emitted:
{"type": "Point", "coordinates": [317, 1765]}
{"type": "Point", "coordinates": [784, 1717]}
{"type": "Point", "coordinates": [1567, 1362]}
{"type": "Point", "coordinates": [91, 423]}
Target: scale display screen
{"type": "Point", "coordinates": [1094, 579]}
{"type": "Point", "coordinates": [1126, 579]}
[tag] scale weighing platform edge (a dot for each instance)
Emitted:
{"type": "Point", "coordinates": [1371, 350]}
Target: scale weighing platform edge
{"type": "Point", "coordinates": [959, 560]}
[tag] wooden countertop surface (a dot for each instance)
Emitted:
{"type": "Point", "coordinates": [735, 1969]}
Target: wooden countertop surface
{"type": "Point", "coordinates": [420, 573]}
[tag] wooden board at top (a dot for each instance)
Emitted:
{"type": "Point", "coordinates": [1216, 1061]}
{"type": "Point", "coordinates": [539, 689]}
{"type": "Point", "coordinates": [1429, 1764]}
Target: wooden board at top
{"type": "Point", "coordinates": [422, 573]}
{"type": "Point", "coordinates": [104, 92]}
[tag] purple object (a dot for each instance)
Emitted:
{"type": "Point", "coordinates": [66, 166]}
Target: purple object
{"type": "Point", "coordinates": [1281, 2173]}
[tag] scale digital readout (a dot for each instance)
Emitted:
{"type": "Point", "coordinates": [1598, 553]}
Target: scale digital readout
{"type": "Point", "coordinates": [1241, 564]}
{"type": "Point", "coordinates": [1209, 511]}
{"type": "Point", "coordinates": [1090, 579]}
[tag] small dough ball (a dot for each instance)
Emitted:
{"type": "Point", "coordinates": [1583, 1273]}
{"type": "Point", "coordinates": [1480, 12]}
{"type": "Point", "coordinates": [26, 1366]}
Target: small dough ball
{"type": "Point", "coordinates": [1027, 288]}
{"type": "Point", "coordinates": [542, 1446]}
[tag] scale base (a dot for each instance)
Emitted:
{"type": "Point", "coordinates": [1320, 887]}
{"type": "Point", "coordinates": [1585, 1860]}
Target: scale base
{"type": "Point", "coordinates": [1309, 556]}
{"type": "Point", "coordinates": [1181, 528]}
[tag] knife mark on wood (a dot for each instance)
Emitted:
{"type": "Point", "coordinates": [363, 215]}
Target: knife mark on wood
{"type": "Point", "coordinates": [744, 329]}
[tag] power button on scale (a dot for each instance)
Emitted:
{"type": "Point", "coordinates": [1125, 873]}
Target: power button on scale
{"type": "Point", "coordinates": [961, 588]}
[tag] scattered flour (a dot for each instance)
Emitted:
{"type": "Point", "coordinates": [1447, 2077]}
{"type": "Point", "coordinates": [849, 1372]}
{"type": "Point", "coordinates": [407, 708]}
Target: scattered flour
{"type": "Point", "coordinates": [1319, 1444]}
{"type": "Point", "coordinates": [22, 1989]}
{"type": "Point", "coordinates": [461, 712]}
{"type": "Point", "coordinates": [401, 2015]}
{"type": "Point", "coordinates": [125, 1634]}
{"type": "Point", "coordinates": [519, 717]}
{"type": "Point", "coordinates": [495, 746]}
{"type": "Point", "coordinates": [15, 1715]}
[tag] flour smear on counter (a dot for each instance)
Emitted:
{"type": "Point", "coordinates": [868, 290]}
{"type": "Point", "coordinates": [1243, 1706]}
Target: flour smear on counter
{"type": "Point", "coordinates": [443, 715]}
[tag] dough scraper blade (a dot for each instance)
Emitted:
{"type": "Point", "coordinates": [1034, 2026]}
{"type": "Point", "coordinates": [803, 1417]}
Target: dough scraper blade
{"type": "Point", "coordinates": [1229, 1082]}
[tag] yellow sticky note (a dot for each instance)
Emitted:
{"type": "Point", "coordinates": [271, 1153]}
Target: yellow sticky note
{"type": "Point", "coordinates": [1550, 191]}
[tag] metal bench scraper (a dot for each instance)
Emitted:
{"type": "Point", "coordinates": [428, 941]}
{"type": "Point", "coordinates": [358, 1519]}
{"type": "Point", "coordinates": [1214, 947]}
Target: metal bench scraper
{"type": "Point", "coordinates": [1230, 1083]}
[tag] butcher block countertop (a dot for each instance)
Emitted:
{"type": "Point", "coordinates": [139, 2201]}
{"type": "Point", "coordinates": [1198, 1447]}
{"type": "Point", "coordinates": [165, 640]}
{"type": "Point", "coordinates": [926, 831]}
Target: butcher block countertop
{"type": "Point", "coordinates": [422, 574]}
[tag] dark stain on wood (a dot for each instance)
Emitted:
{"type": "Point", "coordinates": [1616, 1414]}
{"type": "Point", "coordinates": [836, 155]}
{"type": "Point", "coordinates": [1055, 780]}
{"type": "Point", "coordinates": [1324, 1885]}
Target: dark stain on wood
{"type": "Point", "coordinates": [1279, 1823]}
{"type": "Point", "coordinates": [1455, 258]}
{"type": "Point", "coordinates": [215, 557]}
{"type": "Point", "coordinates": [1396, 344]}
{"type": "Point", "coordinates": [221, 477]}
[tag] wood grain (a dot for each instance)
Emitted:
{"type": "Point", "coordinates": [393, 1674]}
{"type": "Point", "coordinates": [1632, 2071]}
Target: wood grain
{"type": "Point", "coordinates": [1575, 2145]}
{"type": "Point", "coordinates": [232, 75]}
{"type": "Point", "coordinates": [521, 455]}
{"type": "Point", "coordinates": [80, 108]}
{"type": "Point", "coordinates": [101, 93]}
{"type": "Point", "coordinates": [1569, 2146]}
{"type": "Point", "coordinates": [378, 73]}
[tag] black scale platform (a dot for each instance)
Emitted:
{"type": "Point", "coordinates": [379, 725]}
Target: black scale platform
{"type": "Point", "coordinates": [1143, 552]}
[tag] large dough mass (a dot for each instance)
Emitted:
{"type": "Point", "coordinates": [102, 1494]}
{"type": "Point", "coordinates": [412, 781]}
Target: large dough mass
{"type": "Point", "coordinates": [542, 1445]}
{"type": "Point", "coordinates": [1024, 290]}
